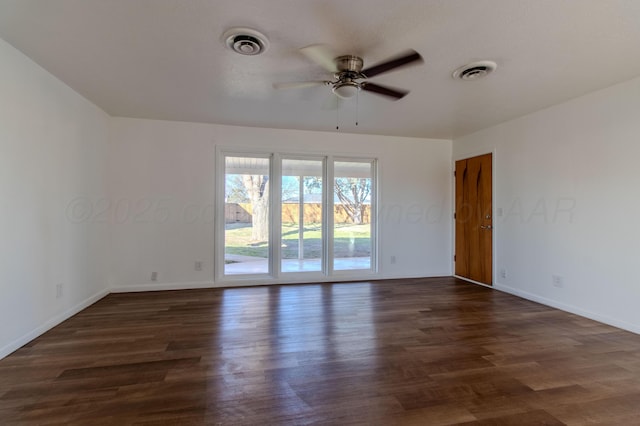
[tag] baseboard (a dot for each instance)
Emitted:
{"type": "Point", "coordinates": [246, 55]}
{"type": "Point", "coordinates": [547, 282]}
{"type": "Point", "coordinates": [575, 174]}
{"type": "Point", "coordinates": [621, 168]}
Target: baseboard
{"type": "Point", "coordinates": [134, 288]}
{"type": "Point", "coordinates": [413, 276]}
{"type": "Point", "coordinates": [23, 340]}
{"type": "Point", "coordinates": [568, 308]}
{"type": "Point", "coordinates": [472, 281]}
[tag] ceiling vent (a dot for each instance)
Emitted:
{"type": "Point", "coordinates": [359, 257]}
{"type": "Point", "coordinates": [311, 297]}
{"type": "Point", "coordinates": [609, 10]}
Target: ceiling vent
{"type": "Point", "coordinates": [245, 41]}
{"type": "Point", "coordinates": [475, 70]}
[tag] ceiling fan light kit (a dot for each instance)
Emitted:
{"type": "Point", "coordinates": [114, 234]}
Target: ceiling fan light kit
{"type": "Point", "coordinates": [346, 90]}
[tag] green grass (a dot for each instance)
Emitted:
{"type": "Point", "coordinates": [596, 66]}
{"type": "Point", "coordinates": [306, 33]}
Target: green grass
{"type": "Point", "coordinates": [349, 241]}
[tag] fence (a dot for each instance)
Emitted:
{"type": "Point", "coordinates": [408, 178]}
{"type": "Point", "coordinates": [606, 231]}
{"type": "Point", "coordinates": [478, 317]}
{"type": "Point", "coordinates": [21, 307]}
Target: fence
{"type": "Point", "coordinates": [241, 212]}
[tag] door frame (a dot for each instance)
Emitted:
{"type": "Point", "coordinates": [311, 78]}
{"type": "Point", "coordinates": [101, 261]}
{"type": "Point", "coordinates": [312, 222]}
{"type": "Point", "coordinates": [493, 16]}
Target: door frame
{"type": "Point", "coordinates": [275, 275]}
{"type": "Point", "coordinates": [494, 225]}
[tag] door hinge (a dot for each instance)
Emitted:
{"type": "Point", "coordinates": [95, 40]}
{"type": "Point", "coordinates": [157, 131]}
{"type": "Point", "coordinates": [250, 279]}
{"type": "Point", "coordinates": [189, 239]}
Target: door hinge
{"type": "Point", "coordinates": [454, 173]}
{"type": "Point", "coordinates": [454, 215]}
{"type": "Point", "coordinates": [454, 257]}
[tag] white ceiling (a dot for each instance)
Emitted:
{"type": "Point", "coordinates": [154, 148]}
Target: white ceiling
{"type": "Point", "coordinates": [164, 59]}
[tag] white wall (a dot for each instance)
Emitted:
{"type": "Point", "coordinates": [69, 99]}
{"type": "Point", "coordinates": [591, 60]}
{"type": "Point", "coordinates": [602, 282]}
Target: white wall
{"type": "Point", "coordinates": [53, 149]}
{"type": "Point", "coordinates": [567, 179]}
{"type": "Point", "coordinates": [162, 193]}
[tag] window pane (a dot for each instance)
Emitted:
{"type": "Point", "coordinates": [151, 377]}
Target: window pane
{"type": "Point", "coordinates": [352, 215]}
{"type": "Point", "coordinates": [302, 236]}
{"type": "Point", "coordinates": [246, 211]}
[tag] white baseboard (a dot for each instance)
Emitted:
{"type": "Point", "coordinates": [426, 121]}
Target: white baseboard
{"type": "Point", "coordinates": [134, 288]}
{"type": "Point", "coordinates": [248, 282]}
{"type": "Point", "coordinates": [23, 340]}
{"type": "Point", "coordinates": [472, 281]}
{"type": "Point", "coordinates": [415, 277]}
{"type": "Point", "coordinates": [569, 308]}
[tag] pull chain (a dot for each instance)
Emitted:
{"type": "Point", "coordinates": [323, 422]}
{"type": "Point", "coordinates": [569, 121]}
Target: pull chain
{"type": "Point", "coordinates": [337, 113]}
{"type": "Point", "coordinates": [357, 104]}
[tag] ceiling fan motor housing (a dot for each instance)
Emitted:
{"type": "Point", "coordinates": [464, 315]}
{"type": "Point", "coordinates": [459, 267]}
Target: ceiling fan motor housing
{"type": "Point", "coordinates": [349, 63]}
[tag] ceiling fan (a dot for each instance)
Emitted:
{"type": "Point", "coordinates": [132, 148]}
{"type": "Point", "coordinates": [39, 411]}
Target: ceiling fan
{"type": "Point", "coordinates": [348, 76]}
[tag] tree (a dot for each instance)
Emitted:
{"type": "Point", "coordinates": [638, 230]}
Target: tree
{"type": "Point", "coordinates": [353, 193]}
{"type": "Point", "coordinates": [235, 190]}
{"type": "Point", "coordinates": [257, 187]}
{"type": "Point", "coordinates": [290, 189]}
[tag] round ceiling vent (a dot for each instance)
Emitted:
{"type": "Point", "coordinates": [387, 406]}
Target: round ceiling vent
{"type": "Point", "coordinates": [475, 70]}
{"type": "Point", "coordinates": [245, 41]}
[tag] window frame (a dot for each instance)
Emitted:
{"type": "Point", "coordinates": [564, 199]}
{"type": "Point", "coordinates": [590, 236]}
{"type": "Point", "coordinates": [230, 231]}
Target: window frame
{"type": "Point", "coordinates": [275, 274]}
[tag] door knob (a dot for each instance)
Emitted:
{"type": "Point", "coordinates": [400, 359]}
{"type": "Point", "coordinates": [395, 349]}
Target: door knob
{"type": "Point", "coordinates": [485, 227]}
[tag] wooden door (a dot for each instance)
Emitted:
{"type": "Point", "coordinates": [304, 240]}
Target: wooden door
{"type": "Point", "coordinates": [473, 218]}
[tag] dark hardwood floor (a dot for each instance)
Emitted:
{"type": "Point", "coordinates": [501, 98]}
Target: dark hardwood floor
{"type": "Point", "coordinates": [423, 351]}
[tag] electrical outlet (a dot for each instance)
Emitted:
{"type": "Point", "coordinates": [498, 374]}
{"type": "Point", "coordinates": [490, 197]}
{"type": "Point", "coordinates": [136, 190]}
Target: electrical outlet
{"type": "Point", "coordinates": [557, 281]}
{"type": "Point", "coordinates": [503, 273]}
{"type": "Point", "coordinates": [59, 290]}
{"type": "Point", "coordinates": [197, 265]}
{"type": "Point", "coordinates": [154, 276]}
{"type": "Point", "coordinates": [393, 260]}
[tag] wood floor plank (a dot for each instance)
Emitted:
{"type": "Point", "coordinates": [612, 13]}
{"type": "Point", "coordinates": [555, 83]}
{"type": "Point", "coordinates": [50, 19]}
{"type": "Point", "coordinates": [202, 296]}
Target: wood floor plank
{"type": "Point", "coordinates": [432, 351]}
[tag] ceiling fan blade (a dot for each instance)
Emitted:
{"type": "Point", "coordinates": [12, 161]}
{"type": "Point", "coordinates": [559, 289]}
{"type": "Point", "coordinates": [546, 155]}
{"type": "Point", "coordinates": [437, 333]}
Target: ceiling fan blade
{"type": "Point", "coordinates": [404, 59]}
{"type": "Point", "coordinates": [298, 84]}
{"type": "Point", "coordinates": [384, 90]}
{"type": "Point", "coordinates": [322, 55]}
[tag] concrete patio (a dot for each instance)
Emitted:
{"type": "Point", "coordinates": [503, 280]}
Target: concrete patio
{"type": "Point", "coordinates": [260, 265]}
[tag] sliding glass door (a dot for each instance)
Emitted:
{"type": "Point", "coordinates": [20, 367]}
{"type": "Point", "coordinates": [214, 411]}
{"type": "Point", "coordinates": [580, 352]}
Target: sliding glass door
{"type": "Point", "coordinates": [302, 230]}
{"type": "Point", "coordinates": [246, 215]}
{"type": "Point", "coordinates": [281, 218]}
{"type": "Point", "coordinates": [352, 219]}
